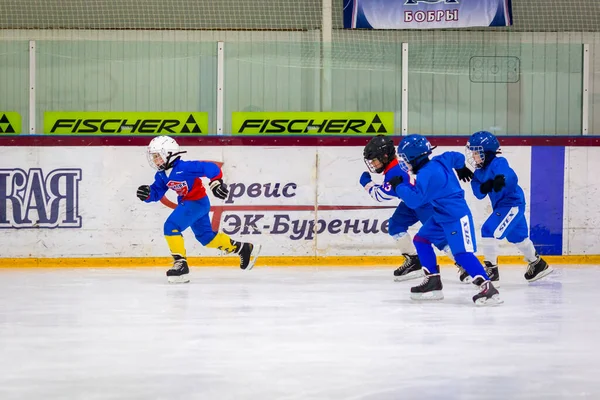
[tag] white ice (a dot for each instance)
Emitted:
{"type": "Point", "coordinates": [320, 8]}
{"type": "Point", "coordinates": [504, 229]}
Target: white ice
{"type": "Point", "coordinates": [294, 333]}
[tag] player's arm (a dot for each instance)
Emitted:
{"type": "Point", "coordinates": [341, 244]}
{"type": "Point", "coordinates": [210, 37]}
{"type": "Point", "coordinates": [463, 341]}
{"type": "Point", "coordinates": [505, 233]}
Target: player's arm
{"type": "Point", "coordinates": [204, 169]}
{"type": "Point", "coordinates": [504, 176]}
{"type": "Point", "coordinates": [374, 190]}
{"type": "Point", "coordinates": [154, 192]}
{"type": "Point", "coordinates": [210, 170]}
{"type": "Point", "coordinates": [415, 193]}
{"type": "Point", "coordinates": [457, 161]}
{"type": "Point", "coordinates": [476, 186]}
{"type": "Point", "coordinates": [380, 193]}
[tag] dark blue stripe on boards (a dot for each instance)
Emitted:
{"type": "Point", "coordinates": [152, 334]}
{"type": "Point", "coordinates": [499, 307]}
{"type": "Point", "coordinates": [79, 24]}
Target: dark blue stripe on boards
{"type": "Point", "coordinates": [547, 198]}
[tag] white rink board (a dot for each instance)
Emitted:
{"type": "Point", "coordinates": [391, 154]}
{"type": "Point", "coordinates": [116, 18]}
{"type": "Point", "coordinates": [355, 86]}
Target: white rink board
{"type": "Point", "coordinates": [114, 223]}
{"type": "Point", "coordinates": [582, 205]}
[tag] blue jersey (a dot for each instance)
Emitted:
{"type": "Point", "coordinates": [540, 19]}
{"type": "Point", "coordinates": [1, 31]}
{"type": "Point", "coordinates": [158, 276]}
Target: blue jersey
{"type": "Point", "coordinates": [384, 191]}
{"type": "Point", "coordinates": [510, 196]}
{"type": "Point", "coordinates": [437, 184]}
{"type": "Point", "coordinates": [184, 179]}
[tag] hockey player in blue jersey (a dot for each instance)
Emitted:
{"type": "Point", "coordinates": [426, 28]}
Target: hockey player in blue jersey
{"type": "Point", "coordinates": [380, 157]}
{"type": "Point", "coordinates": [193, 205]}
{"type": "Point", "coordinates": [496, 179]}
{"type": "Point", "coordinates": [435, 183]}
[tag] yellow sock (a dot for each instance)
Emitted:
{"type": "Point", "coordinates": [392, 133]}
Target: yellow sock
{"type": "Point", "coordinates": [222, 242]}
{"type": "Point", "coordinates": [176, 245]}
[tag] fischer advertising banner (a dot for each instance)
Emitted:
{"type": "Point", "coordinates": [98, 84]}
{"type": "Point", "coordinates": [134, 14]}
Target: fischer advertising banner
{"type": "Point", "coordinates": [426, 14]}
{"type": "Point", "coordinates": [312, 123]}
{"type": "Point", "coordinates": [10, 123]}
{"type": "Point", "coordinates": [125, 123]}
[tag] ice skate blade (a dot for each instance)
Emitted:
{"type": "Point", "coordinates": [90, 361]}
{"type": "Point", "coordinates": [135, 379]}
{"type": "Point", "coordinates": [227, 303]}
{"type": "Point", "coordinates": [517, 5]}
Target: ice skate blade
{"type": "Point", "coordinates": [429, 296]}
{"type": "Point", "coordinates": [494, 301]}
{"type": "Point", "coordinates": [178, 279]}
{"type": "Point", "coordinates": [542, 274]}
{"type": "Point", "coordinates": [411, 275]}
{"type": "Point", "coordinates": [253, 256]}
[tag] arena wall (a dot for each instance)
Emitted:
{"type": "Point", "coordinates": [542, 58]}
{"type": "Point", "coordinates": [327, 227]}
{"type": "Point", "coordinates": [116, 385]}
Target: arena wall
{"type": "Point", "coordinates": [63, 202]}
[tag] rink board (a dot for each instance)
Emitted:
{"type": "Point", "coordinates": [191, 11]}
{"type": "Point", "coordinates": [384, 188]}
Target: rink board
{"type": "Point", "coordinates": [299, 202]}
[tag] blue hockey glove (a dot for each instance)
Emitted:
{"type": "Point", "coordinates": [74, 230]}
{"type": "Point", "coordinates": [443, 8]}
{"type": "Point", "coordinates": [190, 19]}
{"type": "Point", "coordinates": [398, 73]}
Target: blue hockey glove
{"type": "Point", "coordinates": [365, 178]}
{"type": "Point", "coordinates": [499, 182]}
{"type": "Point", "coordinates": [395, 181]}
{"type": "Point", "coordinates": [143, 192]}
{"type": "Point", "coordinates": [486, 186]}
{"type": "Point", "coordinates": [464, 174]}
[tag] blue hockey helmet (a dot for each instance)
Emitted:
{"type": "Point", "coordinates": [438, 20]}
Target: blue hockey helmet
{"type": "Point", "coordinates": [479, 144]}
{"type": "Point", "coordinates": [412, 150]}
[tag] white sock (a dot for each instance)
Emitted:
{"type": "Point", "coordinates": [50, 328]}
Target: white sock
{"type": "Point", "coordinates": [526, 247]}
{"type": "Point", "coordinates": [490, 250]}
{"type": "Point", "coordinates": [405, 243]}
{"type": "Point", "coordinates": [448, 252]}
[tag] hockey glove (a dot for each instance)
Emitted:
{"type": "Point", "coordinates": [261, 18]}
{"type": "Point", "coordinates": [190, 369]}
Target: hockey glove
{"type": "Point", "coordinates": [464, 174]}
{"type": "Point", "coordinates": [486, 186]}
{"type": "Point", "coordinates": [365, 178]}
{"type": "Point", "coordinates": [143, 192]}
{"type": "Point", "coordinates": [395, 181]}
{"type": "Point", "coordinates": [499, 183]}
{"type": "Point", "coordinates": [219, 189]}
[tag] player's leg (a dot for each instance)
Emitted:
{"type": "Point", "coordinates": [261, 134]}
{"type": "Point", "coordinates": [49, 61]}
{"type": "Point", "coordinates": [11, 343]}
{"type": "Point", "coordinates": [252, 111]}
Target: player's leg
{"type": "Point", "coordinates": [431, 287]}
{"type": "Point", "coordinates": [204, 233]}
{"type": "Point", "coordinates": [519, 236]}
{"type": "Point", "coordinates": [461, 239]}
{"type": "Point", "coordinates": [179, 220]}
{"type": "Point", "coordinates": [494, 229]}
{"type": "Point", "coordinates": [398, 225]}
{"type": "Point", "coordinates": [442, 246]}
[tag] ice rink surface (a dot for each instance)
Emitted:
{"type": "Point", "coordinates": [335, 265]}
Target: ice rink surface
{"type": "Point", "coordinates": [294, 333]}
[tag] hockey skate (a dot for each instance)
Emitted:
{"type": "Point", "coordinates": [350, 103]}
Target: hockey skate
{"type": "Point", "coordinates": [248, 253]}
{"type": "Point", "coordinates": [411, 269]}
{"type": "Point", "coordinates": [488, 295]}
{"type": "Point", "coordinates": [463, 276]}
{"type": "Point", "coordinates": [493, 273]}
{"type": "Point", "coordinates": [179, 273]}
{"type": "Point", "coordinates": [429, 289]}
{"type": "Point", "coordinates": [537, 269]}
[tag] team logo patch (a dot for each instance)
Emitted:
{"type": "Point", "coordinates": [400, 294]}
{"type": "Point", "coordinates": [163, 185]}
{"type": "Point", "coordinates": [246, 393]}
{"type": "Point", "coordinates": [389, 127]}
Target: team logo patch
{"type": "Point", "coordinates": [181, 188]}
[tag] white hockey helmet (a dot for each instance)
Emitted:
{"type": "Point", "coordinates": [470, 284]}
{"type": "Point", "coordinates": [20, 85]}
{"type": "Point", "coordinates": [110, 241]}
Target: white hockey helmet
{"type": "Point", "coordinates": [162, 152]}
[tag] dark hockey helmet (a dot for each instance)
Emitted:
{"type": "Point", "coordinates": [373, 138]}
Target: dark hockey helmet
{"type": "Point", "coordinates": [379, 152]}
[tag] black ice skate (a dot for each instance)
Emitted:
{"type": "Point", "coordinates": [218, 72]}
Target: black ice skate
{"type": "Point", "coordinates": [488, 295]}
{"type": "Point", "coordinates": [493, 273]}
{"type": "Point", "coordinates": [411, 269]}
{"type": "Point", "coordinates": [537, 270]}
{"type": "Point", "coordinates": [179, 273]}
{"type": "Point", "coordinates": [429, 289]}
{"type": "Point", "coordinates": [248, 253]}
{"type": "Point", "coordinates": [463, 276]}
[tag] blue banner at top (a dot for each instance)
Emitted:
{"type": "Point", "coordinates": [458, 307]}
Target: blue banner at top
{"type": "Point", "coordinates": [426, 14]}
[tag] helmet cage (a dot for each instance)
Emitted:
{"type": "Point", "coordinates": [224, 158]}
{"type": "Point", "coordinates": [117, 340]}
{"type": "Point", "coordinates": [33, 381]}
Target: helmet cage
{"type": "Point", "coordinates": [475, 156]}
{"type": "Point", "coordinates": [404, 163]}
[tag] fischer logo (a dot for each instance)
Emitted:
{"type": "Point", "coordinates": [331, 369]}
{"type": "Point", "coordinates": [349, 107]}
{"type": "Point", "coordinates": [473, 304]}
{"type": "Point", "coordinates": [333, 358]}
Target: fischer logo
{"type": "Point", "coordinates": [34, 199]}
